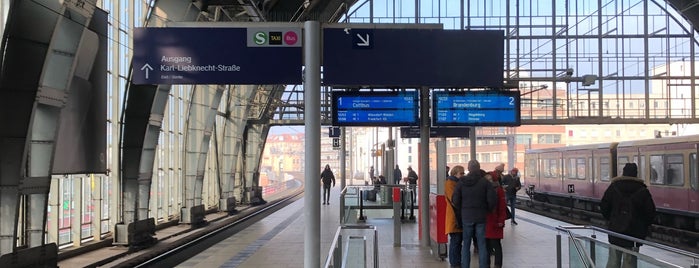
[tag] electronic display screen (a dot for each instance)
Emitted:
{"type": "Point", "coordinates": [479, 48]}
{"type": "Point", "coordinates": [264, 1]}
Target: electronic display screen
{"type": "Point", "coordinates": [476, 108]}
{"type": "Point", "coordinates": [357, 108]}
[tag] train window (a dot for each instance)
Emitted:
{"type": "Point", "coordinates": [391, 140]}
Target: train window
{"type": "Point", "coordinates": [530, 169]}
{"type": "Point", "coordinates": [657, 169]}
{"type": "Point", "coordinates": [641, 167]}
{"type": "Point", "coordinates": [570, 169]}
{"type": "Point", "coordinates": [693, 179]}
{"type": "Point", "coordinates": [621, 162]}
{"type": "Point", "coordinates": [589, 168]}
{"type": "Point", "coordinates": [545, 168]}
{"type": "Point", "coordinates": [576, 168]}
{"type": "Point", "coordinates": [604, 169]}
{"type": "Point", "coordinates": [675, 170]}
{"type": "Point", "coordinates": [580, 168]}
{"type": "Point", "coordinates": [550, 168]}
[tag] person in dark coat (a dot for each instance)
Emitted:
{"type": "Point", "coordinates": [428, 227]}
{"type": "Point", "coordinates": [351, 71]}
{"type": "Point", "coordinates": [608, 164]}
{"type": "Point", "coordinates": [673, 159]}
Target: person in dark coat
{"type": "Point", "coordinates": [412, 182]}
{"type": "Point", "coordinates": [397, 175]}
{"type": "Point", "coordinates": [328, 178]}
{"type": "Point", "coordinates": [474, 197]}
{"type": "Point", "coordinates": [643, 213]}
{"type": "Point", "coordinates": [512, 184]}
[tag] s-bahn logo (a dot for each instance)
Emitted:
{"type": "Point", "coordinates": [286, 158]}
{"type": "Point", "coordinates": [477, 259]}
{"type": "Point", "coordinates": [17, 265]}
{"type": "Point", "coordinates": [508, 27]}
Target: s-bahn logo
{"type": "Point", "coordinates": [274, 37]}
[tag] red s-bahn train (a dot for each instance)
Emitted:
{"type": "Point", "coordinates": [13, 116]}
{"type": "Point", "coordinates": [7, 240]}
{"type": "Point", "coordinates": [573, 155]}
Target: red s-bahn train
{"type": "Point", "coordinates": [669, 167]}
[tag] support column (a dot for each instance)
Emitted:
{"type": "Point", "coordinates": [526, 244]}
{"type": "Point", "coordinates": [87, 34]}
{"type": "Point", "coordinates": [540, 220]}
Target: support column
{"type": "Point", "coordinates": [511, 152]}
{"type": "Point", "coordinates": [76, 221]}
{"type": "Point", "coordinates": [424, 166]}
{"type": "Point", "coordinates": [311, 88]}
{"type": "Point", "coordinates": [343, 166]}
{"type": "Point", "coordinates": [472, 138]}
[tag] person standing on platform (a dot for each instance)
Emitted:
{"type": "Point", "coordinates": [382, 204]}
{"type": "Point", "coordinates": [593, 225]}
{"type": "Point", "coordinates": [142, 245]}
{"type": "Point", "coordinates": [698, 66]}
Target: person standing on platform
{"type": "Point", "coordinates": [451, 222]}
{"type": "Point", "coordinates": [495, 222]}
{"type": "Point", "coordinates": [371, 174]}
{"type": "Point", "coordinates": [412, 181]}
{"type": "Point", "coordinates": [474, 197]}
{"type": "Point", "coordinates": [496, 174]}
{"type": "Point", "coordinates": [512, 184]}
{"type": "Point", "coordinates": [397, 175]}
{"type": "Point", "coordinates": [629, 209]}
{"type": "Point", "coordinates": [327, 177]}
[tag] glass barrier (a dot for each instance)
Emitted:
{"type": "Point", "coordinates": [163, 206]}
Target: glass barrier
{"type": "Point", "coordinates": [354, 246]}
{"type": "Point", "coordinates": [588, 247]}
{"type": "Point", "coordinates": [359, 202]}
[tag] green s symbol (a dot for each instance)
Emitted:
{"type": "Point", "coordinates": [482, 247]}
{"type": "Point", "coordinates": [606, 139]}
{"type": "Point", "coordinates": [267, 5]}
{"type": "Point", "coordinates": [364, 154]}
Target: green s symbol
{"type": "Point", "coordinates": [260, 38]}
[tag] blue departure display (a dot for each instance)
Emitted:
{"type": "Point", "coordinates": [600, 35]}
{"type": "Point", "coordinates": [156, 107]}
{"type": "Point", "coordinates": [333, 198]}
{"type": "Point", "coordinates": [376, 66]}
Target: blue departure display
{"type": "Point", "coordinates": [476, 108]}
{"type": "Point", "coordinates": [375, 108]}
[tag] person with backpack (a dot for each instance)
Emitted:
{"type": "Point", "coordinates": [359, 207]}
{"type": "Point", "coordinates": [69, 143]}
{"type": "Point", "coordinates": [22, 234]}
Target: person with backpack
{"type": "Point", "coordinates": [327, 177]}
{"type": "Point", "coordinates": [628, 207]}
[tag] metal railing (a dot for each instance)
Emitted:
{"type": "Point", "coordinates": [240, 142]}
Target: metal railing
{"type": "Point", "coordinates": [589, 256]}
{"type": "Point", "coordinates": [352, 200]}
{"type": "Point", "coordinates": [337, 255]}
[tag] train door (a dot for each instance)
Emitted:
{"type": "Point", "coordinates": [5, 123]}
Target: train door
{"type": "Point", "coordinates": [603, 174]}
{"type": "Point", "coordinates": [575, 178]}
{"type": "Point", "coordinates": [667, 179]}
{"type": "Point", "coordinates": [551, 178]}
{"type": "Point", "coordinates": [531, 169]}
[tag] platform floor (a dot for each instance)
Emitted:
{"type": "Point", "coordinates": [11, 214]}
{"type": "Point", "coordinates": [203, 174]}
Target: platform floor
{"type": "Point", "coordinates": [278, 241]}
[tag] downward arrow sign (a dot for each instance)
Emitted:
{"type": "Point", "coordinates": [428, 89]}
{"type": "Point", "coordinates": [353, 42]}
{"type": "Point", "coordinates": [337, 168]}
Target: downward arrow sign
{"type": "Point", "coordinates": [146, 68]}
{"type": "Point", "coordinates": [365, 41]}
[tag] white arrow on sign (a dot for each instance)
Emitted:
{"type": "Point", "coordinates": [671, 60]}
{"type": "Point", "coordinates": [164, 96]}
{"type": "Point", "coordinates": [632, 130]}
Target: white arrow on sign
{"type": "Point", "coordinates": [365, 41]}
{"type": "Point", "coordinates": [147, 68]}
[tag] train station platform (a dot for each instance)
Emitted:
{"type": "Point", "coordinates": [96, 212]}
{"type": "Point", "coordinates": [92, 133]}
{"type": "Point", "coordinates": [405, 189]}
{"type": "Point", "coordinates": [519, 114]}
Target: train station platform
{"type": "Point", "coordinates": [278, 241]}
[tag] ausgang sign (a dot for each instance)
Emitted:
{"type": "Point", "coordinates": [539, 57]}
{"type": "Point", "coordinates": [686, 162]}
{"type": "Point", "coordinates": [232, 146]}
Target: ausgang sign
{"type": "Point", "coordinates": [199, 55]}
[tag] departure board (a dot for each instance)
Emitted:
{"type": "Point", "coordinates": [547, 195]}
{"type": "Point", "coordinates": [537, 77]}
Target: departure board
{"type": "Point", "coordinates": [357, 108]}
{"type": "Point", "coordinates": [476, 108]}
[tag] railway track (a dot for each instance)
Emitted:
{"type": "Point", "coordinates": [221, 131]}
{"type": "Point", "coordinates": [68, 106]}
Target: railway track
{"type": "Point", "coordinates": [180, 243]}
{"type": "Point", "coordinates": [189, 247]}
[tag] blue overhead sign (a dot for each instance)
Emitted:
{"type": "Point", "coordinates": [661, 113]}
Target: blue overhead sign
{"type": "Point", "coordinates": [217, 56]}
{"type": "Point", "coordinates": [354, 108]}
{"type": "Point", "coordinates": [476, 108]}
{"type": "Point", "coordinates": [412, 57]}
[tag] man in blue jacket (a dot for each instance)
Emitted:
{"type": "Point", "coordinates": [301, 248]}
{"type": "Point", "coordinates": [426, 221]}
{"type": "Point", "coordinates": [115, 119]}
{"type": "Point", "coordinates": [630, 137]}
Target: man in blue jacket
{"type": "Point", "coordinates": [474, 197]}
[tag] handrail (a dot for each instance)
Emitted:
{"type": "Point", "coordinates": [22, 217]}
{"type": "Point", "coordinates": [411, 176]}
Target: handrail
{"type": "Point", "coordinates": [333, 245]}
{"type": "Point", "coordinates": [336, 239]}
{"type": "Point", "coordinates": [587, 260]}
{"type": "Point", "coordinates": [630, 238]}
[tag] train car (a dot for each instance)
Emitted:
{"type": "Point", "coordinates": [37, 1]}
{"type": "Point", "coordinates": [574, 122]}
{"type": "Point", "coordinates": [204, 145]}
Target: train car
{"type": "Point", "coordinates": [562, 174]}
{"type": "Point", "coordinates": [578, 175]}
{"type": "Point", "coordinates": [669, 168]}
